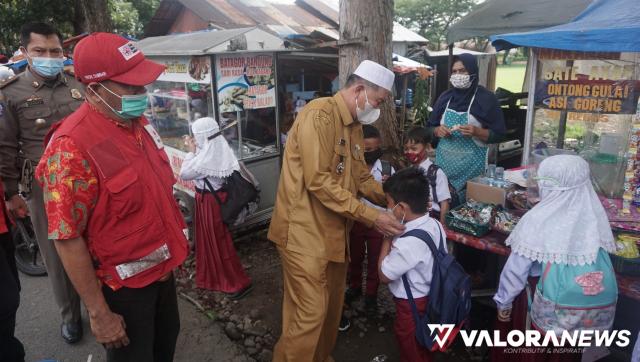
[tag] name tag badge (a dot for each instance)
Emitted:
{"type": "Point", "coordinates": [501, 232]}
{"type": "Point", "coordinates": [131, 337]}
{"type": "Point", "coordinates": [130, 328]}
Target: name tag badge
{"type": "Point", "coordinates": [155, 136]}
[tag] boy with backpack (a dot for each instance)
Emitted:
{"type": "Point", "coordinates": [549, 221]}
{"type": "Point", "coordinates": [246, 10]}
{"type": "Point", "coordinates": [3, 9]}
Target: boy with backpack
{"type": "Point", "coordinates": [417, 146]}
{"type": "Point", "coordinates": [408, 265]}
{"type": "Point", "coordinates": [367, 238]}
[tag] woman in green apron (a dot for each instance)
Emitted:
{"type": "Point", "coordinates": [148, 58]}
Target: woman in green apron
{"type": "Point", "coordinates": [466, 118]}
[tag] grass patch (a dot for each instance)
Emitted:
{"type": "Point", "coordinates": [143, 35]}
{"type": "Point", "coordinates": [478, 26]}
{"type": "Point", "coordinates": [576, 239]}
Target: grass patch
{"type": "Point", "coordinates": [511, 77]}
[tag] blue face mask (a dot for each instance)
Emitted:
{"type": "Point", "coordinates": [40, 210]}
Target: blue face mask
{"type": "Point", "coordinates": [47, 67]}
{"type": "Point", "coordinates": [131, 106]}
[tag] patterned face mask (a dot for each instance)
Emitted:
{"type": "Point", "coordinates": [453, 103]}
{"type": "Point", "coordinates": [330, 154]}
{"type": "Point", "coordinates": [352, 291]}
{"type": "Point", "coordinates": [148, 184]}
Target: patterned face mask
{"type": "Point", "coordinates": [461, 81]}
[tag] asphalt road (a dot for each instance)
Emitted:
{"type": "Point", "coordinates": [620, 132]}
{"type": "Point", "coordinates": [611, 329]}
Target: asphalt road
{"type": "Point", "coordinates": [38, 327]}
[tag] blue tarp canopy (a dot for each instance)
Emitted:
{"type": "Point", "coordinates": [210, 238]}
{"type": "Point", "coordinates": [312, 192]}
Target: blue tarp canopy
{"type": "Point", "coordinates": [604, 26]}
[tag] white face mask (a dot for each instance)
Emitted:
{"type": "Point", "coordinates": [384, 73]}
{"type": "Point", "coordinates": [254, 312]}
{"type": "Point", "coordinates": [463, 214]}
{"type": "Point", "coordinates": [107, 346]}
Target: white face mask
{"type": "Point", "coordinates": [391, 212]}
{"type": "Point", "coordinates": [369, 114]}
{"type": "Point", "coordinates": [460, 81]}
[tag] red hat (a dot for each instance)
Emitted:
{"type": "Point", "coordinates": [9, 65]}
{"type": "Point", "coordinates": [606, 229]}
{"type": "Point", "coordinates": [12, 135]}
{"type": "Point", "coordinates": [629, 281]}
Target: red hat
{"type": "Point", "coordinates": [102, 56]}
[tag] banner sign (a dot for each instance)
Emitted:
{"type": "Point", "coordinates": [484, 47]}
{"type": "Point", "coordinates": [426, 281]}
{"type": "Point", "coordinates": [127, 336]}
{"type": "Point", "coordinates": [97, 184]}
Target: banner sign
{"type": "Point", "coordinates": [187, 69]}
{"type": "Point", "coordinates": [245, 82]}
{"type": "Point", "coordinates": [606, 89]}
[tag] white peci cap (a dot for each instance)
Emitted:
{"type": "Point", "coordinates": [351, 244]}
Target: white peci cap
{"type": "Point", "coordinates": [376, 74]}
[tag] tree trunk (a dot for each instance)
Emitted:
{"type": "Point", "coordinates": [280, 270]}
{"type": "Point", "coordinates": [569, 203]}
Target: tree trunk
{"type": "Point", "coordinates": [91, 16]}
{"type": "Point", "coordinates": [366, 26]}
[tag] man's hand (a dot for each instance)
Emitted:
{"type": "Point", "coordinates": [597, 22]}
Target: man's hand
{"type": "Point", "coordinates": [387, 225]}
{"type": "Point", "coordinates": [17, 206]}
{"type": "Point", "coordinates": [109, 329]}
{"type": "Point", "coordinates": [442, 132]}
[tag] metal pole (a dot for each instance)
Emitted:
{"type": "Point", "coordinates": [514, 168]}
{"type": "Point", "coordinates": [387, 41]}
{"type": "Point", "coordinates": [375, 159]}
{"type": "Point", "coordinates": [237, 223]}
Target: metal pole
{"type": "Point", "coordinates": [405, 85]}
{"type": "Point", "coordinates": [528, 131]}
{"type": "Point", "coordinates": [450, 64]}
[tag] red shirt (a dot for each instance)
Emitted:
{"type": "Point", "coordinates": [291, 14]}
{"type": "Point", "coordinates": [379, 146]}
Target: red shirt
{"type": "Point", "coordinates": [69, 185]}
{"type": "Point", "coordinates": [4, 228]}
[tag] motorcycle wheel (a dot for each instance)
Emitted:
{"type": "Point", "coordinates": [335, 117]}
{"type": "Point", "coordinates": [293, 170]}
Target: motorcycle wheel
{"type": "Point", "coordinates": [27, 253]}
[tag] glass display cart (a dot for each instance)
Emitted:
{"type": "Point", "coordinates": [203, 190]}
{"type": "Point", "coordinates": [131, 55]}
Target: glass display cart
{"type": "Point", "coordinates": [206, 77]}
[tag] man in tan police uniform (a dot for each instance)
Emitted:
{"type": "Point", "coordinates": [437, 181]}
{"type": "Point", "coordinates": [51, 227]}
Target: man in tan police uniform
{"type": "Point", "coordinates": [29, 104]}
{"type": "Point", "coordinates": [322, 176]}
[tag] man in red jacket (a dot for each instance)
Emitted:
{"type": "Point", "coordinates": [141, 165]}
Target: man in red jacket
{"type": "Point", "coordinates": [10, 347]}
{"type": "Point", "coordinates": [109, 201]}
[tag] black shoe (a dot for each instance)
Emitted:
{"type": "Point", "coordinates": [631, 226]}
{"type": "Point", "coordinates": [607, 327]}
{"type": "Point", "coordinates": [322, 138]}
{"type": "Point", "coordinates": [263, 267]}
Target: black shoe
{"type": "Point", "coordinates": [71, 332]}
{"type": "Point", "coordinates": [371, 305]}
{"type": "Point", "coordinates": [345, 324]}
{"type": "Point", "coordinates": [351, 294]}
{"type": "Point", "coordinates": [241, 293]}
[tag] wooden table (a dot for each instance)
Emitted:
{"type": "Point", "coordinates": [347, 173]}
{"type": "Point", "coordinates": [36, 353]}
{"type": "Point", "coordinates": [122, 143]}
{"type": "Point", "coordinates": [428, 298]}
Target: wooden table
{"type": "Point", "coordinates": [494, 243]}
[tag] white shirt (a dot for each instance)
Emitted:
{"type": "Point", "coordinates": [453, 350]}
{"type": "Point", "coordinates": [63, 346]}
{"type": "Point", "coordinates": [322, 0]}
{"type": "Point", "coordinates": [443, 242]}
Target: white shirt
{"type": "Point", "coordinates": [376, 172]}
{"type": "Point", "coordinates": [412, 256]}
{"type": "Point", "coordinates": [300, 103]}
{"type": "Point", "coordinates": [187, 173]}
{"type": "Point", "coordinates": [513, 279]}
{"type": "Point", "coordinates": [442, 185]}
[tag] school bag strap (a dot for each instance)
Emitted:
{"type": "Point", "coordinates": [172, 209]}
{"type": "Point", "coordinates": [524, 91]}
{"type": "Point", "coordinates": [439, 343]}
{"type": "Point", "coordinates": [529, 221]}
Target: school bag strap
{"type": "Point", "coordinates": [432, 176]}
{"type": "Point", "coordinates": [385, 167]}
{"type": "Point", "coordinates": [424, 236]}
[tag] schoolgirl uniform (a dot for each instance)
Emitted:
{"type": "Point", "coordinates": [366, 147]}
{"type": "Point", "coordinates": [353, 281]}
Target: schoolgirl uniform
{"type": "Point", "coordinates": [218, 267]}
{"type": "Point", "coordinates": [568, 229]}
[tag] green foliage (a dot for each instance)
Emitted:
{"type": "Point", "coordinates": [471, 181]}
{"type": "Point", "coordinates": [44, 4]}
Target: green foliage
{"type": "Point", "coordinates": [125, 18]}
{"type": "Point", "coordinates": [431, 18]}
{"type": "Point", "coordinates": [128, 17]}
{"type": "Point", "coordinates": [15, 13]}
{"type": "Point", "coordinates": [421, 101]}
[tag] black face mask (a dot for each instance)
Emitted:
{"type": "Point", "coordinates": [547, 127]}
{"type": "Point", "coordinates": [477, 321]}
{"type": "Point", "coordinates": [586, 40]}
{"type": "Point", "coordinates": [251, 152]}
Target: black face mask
{"type": "Point", "coordinates": [371, 157]}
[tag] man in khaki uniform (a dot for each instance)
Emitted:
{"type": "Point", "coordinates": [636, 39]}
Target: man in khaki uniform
{"type": "Point", "coordinates": [29, 104]}
{"type": "Point", "coordinates": [322, 176]}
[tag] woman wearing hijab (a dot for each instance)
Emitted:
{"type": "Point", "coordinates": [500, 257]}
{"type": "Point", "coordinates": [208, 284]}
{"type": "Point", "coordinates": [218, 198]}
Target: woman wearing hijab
{"type": "Point", "coordinates": [210, 161]}
{"type": "Point", "coordinates": [559, 258]}
{"type": "Point", "coordinates": [465, 118]}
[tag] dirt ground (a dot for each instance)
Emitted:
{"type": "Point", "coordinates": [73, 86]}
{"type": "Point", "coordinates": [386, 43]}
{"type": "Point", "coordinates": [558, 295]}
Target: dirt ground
{"type": "Point", "coordinates": [366, 339]}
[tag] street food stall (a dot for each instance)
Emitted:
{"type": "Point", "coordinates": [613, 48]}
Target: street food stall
{"type": "Point", "coordinates": [410, 77]}
{"type": "Point", "coordinates": [229, 75]}
{"type": "Point", "coordinates": [583, 99]}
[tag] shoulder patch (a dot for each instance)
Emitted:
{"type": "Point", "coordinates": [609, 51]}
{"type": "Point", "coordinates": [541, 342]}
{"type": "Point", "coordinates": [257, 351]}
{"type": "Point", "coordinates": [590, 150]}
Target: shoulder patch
{"type": "Point", "coordinates": [8, 81]}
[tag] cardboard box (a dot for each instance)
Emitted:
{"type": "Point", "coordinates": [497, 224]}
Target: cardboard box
{"type": "Point", "coordinates": [484, 193]}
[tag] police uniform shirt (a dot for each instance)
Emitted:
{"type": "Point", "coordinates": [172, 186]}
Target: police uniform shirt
{"type": "Point", "coordinates": [29, 105]}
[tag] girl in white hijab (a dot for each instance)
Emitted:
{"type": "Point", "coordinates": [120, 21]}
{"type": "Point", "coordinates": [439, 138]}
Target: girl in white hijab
{"type": "Point", "coordinates": [568, 229]}
{"type": "Point", "coordinates": [210, 161]}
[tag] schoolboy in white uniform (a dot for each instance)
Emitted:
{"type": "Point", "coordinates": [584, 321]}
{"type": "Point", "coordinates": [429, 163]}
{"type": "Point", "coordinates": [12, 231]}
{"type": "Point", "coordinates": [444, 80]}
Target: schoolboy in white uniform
{"type": "Point", "coordinates": [407, 194]}
{"type": "Point", "coordinates": [417, 146]}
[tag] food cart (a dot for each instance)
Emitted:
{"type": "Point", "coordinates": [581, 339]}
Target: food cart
{"type": "Point", "coordinates": [229, 75]}
{"type": "Point", "coordinates": [583, 98]}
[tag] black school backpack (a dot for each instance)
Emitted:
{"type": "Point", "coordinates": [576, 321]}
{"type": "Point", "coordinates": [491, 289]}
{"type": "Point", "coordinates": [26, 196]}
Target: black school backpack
{"type": "Point", "coordinates": [449, 298]}
{"type": "Point", "coordinates": [432, 176]}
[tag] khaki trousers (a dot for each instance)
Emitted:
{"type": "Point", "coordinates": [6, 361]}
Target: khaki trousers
{"type": "Point", "coordinates": [64, 294]}
{"type": "Point", "coordinates": [311, 307]}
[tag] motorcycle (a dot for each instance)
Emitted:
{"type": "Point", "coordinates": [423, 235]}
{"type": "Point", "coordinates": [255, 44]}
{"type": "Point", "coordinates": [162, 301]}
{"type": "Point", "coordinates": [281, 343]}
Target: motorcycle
{"type": "Point", "coordinates": [27, 253]}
